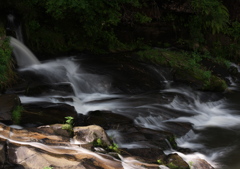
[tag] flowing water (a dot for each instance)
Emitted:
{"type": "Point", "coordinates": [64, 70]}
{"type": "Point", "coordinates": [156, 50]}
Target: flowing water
{"type": "Point", "coordinates": [215, 120]}
{"type": "Point", "coordinates": [23, 55]}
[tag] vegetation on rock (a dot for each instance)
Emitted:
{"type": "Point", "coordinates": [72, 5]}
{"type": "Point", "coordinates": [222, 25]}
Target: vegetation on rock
{"type": "Point", "coordinates": [69, 124]}
{"type": "Point", "coordinates": [187, 67]}
{"type": "Point", "coordinates": [16, 114]}
{"type": "Point", "coordinates": [7, 74]}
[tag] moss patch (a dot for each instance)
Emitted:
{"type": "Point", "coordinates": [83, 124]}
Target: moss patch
{"type": "Point", "coordinates": [17, 114]}
{"type": "Point", "coordinates": [7, 75]}
{"type": "Point", "coordinates": [187, 67]}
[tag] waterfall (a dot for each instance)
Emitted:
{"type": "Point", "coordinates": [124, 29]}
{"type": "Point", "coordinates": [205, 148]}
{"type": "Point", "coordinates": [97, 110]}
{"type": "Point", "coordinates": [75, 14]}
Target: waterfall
{"type": "Point", "coordinates": [15, 26]}
{"type": "Point", "coordinates": [23, 55]}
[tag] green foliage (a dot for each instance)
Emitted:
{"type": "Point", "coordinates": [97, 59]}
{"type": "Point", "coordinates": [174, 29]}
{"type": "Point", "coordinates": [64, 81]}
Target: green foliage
{"type": "Point", "coordinates": [7, 75]}
{"type": "Point", "coordinates": [142, 18]}
{"type": "Point", "coordinates": [172, 166]}
{"type": "Point", "coordinates": [159, 161]}
{"type": "Point", "coordinates": [100, 143]}
{"type": "Point", "coordinates": [114, 147]}
{"type": "Point", "coordinates": [69, 124]}
{"type": "Point", "coordinates": [186, 65]}
{"type": "Point", "coordinates": [80, 25]}
{"type": "Point", "coordinates": [16, 114]}
{"type": "Point", "coordinates": [234, 31]}
{"type": "Point", "coordinates": [211, 14]}
{"type": "Point", "coordinates": [48, 168]}
{"type": "Point", "coordinates": [172, 142]}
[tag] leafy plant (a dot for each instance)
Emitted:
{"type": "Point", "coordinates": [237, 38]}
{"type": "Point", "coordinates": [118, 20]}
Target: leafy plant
{"type": "Point", "coordinates": [7, 75]}
{"type": "Point", "coordinates": [69, 124]}
{"type": "Point", "coordinates": [100, 143]}
{"type": "Point", "coordinates": [48, 168]}
{"type": "Point", "coordinates": [159, 161]}
{"type": "Point", "coordinates": [114, 147]}
{"type": "Point", "coordinates": [211, 14]}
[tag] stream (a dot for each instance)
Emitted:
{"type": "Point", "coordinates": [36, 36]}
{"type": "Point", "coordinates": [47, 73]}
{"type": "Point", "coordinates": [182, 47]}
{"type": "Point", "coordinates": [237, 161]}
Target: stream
{"type": "Point", "coordinates": [94, 86]}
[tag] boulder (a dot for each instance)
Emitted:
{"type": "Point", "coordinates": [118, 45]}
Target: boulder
{"type": "Point", "coordinates": [88, 134]}
{"type": "Point", "coordinates": [200, 163]}
{"type": "Point", "coordinates": [38, 156]}
{"type": "Point", "coordinates": [8, 103]}
{"type": "Point", "coordinates": [174, 160]}
{"type": "Point", "coordinates": [107, 119]}
{"type": "Point", "coordinates": [2, 153]}
{"type": "Point", "coordinates": [54, 129]}
{"type": "Point", "coordinates": [46, 113]}
{"type": "Point", "coordinates": [150, 155]}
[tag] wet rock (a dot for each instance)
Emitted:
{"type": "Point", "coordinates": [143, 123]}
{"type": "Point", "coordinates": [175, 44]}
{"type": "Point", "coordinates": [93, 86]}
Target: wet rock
{"type": "Point", "coordinates": [88, 134]}
{"type": "Point", "coordinates": [8, 103]}
{"type": "Point", "coordinates": [150, 155]}
{"type": "Point", "coordinates": [28, 149]}
{"type": "Point", "coordinates": [46, 113]}
{"type": "Point", "coordinates": [36, 89]}
{"type": "Point", "coordinates": [200, 163]}
{"type": "Point", "coordinates": [174, 160]}
{"type": "Point", "coordinates": [54, 129]}
{"type": "Point", "coordinates": [107, 119]}
{"type": "Point", "coordinates": [2, 153]}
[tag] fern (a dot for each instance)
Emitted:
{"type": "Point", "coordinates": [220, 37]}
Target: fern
{"type": "Point", "coordinates": [213, 14]}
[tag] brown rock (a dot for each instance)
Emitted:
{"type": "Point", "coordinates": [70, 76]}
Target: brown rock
{"type": "Point", "coordinates": [88, 134]}
{"type": "Point", "coordinates": [176, 160]}
{"type": "Point", "coordinates": [8, 103]}
{"type": "Point", "coordinates": [2, 153]}
{"type": "Point", "coordinates": [200, 163]}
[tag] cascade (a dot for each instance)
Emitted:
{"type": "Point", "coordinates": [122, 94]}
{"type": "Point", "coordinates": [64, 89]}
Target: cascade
{"type": "Point", "coordinates": [210, 118]}
{"type": "Point", "coordinates": [23, 55]}
{"type": "Point", "coordinates": [15, 26]}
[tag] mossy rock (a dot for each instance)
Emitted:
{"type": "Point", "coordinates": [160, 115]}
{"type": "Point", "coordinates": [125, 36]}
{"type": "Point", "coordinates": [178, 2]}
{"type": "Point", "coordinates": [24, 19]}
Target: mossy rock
{"type": "Point", "coordinates": [216, 84]}
{"type": "Point", "coordinates": [174, 161]}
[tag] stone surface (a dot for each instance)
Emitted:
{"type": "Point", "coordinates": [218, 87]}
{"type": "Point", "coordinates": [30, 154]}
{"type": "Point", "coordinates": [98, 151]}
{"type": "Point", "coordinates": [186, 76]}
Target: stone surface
{"type": "Point", "coordinates": [107, 119]}
{"type": "Point", "coordinates": [88, 134]}
{"type": "Point", "coordinates": [46, 113]}
{"type": "Point", "coordinates": [176, 160]}
{"type": "Point", "coordinates": [45, 146]}
{"type": "Point", "coordinates": [54, 129]}
{"type": "Point", "coordinates": [200, 163]}
{"type": "Point", "coordinates": [2, 153]}
{"type": "Point", "coordinates": [7, 104]}
{"type": "Point", "coordinates": [150, 155]}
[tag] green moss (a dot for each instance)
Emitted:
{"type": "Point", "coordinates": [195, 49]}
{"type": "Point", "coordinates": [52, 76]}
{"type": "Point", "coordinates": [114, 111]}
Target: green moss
{"type": "Point", "coordinates": [187, 67]}
{"type": "Point", "coordinates": [7, 75]}
{"type": "Point", "coordinates": [172, 166]}
{"type": "Point", "coordinates": [17, 114]}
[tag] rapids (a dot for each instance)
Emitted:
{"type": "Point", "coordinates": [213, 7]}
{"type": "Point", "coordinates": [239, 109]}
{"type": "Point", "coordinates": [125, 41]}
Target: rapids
{"type": "Point", "coordinates": [215, 120]}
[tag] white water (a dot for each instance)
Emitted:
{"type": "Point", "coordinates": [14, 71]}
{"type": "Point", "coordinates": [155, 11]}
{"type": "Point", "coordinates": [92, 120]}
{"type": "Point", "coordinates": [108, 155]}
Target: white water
{"type": "Point", "coordinates": [17, 28]}
{"type": "Point", "coordinates": [91, 92]}
{"type": "Point", "coordinates": [23, 55]}
{"type": "Point", "coordinates": [94, 92]}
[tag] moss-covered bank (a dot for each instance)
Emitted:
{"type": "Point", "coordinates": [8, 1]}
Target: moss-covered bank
{"type": "Point", "coordinates": [188, 67]}
{"type": "Point", "coordinates": [7, 74]}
